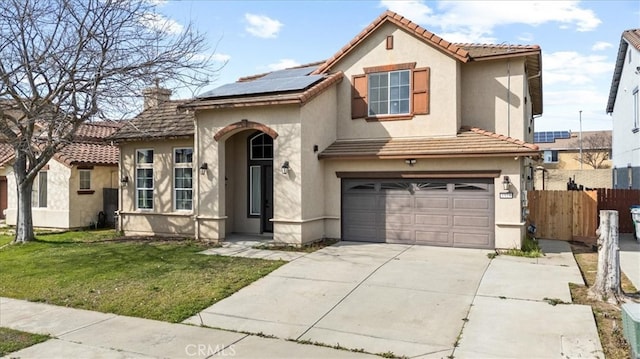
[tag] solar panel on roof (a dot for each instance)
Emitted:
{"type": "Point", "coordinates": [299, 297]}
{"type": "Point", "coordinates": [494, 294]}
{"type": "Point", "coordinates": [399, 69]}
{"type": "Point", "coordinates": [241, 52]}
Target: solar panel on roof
{"type": "Point", "coordinates": [263, 86]}
{"type": "Point", "coordinates": [550, 136]}
{"type": "Point", "coordinates": [302, 71]}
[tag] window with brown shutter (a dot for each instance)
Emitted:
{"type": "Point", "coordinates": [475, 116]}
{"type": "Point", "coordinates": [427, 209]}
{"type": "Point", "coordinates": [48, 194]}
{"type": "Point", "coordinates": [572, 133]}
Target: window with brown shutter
{"type": "Point", "coordinates": [381, 106]}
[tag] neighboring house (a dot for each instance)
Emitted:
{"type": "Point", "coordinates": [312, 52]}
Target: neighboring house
{"type": "Point", "coordinates": [561, 159]}
{"type": "Point", "coordinates": [6, 153]}
{"type": "Point", "coordinates": [76, 185]}
{"type": "Point", "coordinates": [624, 107]}
{"type": "Point", "coordinates": [399, 137]}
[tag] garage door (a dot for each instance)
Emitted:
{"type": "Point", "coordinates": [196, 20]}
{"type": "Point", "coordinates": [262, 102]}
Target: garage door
{"type": "Point", "coordinates": [454, 213]}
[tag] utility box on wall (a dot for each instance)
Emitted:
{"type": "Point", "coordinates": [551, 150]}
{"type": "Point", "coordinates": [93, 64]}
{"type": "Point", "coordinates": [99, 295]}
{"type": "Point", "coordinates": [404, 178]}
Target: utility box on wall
{"type": "Point", "coordinates": [631, 327]}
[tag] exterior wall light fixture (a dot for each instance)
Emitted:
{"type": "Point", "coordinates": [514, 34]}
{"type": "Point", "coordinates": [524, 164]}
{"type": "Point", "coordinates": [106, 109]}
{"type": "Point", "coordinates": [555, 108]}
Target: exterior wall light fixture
{"type": "Point", "coordinates": [285, 168]}
{"type": "Point", "coordinates": [203, 168]}
{"type": "Point", "coordinates": [506, 183]}
{"type": "Point", "coordinates": [125, 180]}
{"type": "Point", "coordinates": [411, 161]}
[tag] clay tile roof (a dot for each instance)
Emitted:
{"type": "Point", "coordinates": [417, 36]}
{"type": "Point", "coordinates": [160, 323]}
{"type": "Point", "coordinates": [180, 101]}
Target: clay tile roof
{"type": "Point", "coordinates": [161, 122]}
{"type": "Point", "coordinates": [97, 130]}
{"type": "Point", "coordinates": [629, 37]}
{"type": "Point", "coordinates": [482, 51]}
{"type": "Point", "coordinates": [6, 153]}
{"type": "Point", "coordinates": [88, 153]}
{"type": "Point", "coordinates": [402, 22]}
{"type": "Point", "coordinates": [469, 142]}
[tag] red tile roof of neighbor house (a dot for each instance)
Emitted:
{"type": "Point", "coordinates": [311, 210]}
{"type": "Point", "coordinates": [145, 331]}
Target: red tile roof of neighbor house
{"type": "Point", "coordinates": [629, 37]}
{"type": "Point", "coordinates": [469, 142]}
{"type": "Point", "coordinates": [89, 146]}
{"type": "Point", "coordinates": [160, 122]}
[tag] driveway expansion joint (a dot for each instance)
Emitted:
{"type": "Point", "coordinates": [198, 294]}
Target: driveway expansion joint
{"type": "Point", "coordinates": [352, 290]}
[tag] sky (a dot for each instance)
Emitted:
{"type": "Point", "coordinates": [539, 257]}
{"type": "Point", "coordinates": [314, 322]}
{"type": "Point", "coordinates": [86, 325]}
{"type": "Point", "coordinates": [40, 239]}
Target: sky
{"type": "Point", "coordinates": [579, 40]}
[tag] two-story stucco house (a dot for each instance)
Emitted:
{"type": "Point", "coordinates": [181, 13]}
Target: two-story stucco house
{"type": "Point", "coordinates": [399, 137]}
{"type": "Point", "coordinates": [624, 107]}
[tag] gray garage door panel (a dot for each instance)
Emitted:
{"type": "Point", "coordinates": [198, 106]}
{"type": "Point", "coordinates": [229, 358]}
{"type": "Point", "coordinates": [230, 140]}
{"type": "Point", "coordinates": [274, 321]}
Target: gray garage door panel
{"type": "Point", "coordinates": [457, 213]}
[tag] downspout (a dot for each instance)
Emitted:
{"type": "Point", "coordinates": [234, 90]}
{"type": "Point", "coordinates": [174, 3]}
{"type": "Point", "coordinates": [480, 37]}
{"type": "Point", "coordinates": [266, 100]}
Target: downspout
{"type": "Point", "coordinates": [509, 97]}
{"type": "Point", "coordinates": [196, 145]}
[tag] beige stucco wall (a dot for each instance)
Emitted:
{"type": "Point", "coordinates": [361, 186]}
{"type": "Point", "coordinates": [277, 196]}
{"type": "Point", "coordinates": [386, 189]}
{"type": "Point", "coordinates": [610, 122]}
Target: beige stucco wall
{"type": "Point", "coordinates": [56, 214]}
{"type": "Point", "coordinates": [509, 228]}
{"type": "Point", "coordinates": [556, 179]}
{"type": "Point", "coordinates": [492, 93]}
{"type": "Point", "coordinates": [444, 116]}
{"type": "Point", "coordinates": [568, 160]}
{"type": "Point", "coordinates": [232, 147]}
{"type": "Point", "coordinates": [162, 219]}
{"type": "Point", "coordinates": [84, 208]}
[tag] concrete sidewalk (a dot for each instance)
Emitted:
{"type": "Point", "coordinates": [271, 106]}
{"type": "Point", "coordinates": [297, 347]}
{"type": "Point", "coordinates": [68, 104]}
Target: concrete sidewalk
{"type": "Point", "coordinates": [84, 334]}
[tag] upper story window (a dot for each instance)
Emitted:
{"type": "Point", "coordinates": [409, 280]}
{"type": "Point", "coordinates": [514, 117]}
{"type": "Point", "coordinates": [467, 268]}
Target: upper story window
{"type": "Point", "coordinates": [261, 147]}
{"type": "Point", "coordinates": [390, 92]}
{"type": "Point", "coordinates": [144, 179]}
{"type": "Point", "coordinates": [551, 156]}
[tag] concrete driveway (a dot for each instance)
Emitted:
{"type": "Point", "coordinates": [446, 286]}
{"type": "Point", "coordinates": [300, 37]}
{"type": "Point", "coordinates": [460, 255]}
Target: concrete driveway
{"type": "Point", "coordinates": [418, 301]}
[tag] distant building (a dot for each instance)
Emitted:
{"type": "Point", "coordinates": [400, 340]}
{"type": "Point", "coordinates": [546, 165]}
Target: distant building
{"type": "Point", "coordinates": [561, 159]}
{"type": "Point", "coordinates": [624, 107]}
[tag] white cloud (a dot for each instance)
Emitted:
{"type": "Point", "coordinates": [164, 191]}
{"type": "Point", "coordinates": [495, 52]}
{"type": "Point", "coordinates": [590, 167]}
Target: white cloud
{"type": "Point", "coordinates": [262, 26]}
{"type": "Point", "coordinates": [474, 21]}
{"type": "Point", "coordinates": [573, 68]}
{"type": "Point", "coordinates": [218, 57]}
{"type": "Point", "coordinates": [526, 37]}
{"type": "Point", "coordinates": [601, 45]}
{"type": "Point", "coordinates": [159, 22]}
{"type": "Point", "coordinates": [283, 64]}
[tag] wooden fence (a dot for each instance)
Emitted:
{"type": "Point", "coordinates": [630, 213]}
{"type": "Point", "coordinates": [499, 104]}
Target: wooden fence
{"type": "Point", "coordinates": [564, 215]}
{"type": "Point", "coordinates": [573, 215]}
{"type": "Point", "coordinates": [619, 200]}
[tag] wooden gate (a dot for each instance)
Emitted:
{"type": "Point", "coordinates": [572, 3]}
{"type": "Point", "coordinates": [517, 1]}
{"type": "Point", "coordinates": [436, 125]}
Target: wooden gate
{"type": "Point", "coordinates": [564, 215]}
{"type": "Point", "coordinates": [620, 200]}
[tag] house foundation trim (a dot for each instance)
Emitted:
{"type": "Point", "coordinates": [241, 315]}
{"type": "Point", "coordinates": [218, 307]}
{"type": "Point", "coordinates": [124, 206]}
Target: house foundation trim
{"type": "Point", "coordinates": [420, 174]}
{"type": "Point", "coordinates": [284, 220]}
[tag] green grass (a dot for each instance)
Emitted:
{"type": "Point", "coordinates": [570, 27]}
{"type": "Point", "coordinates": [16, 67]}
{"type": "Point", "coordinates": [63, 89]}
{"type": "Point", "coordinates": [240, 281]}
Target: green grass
{"type": "Point", "coordinates": [163, 279]}
{"type": "Point", "coordinates": [530, 249]}
{"type": "Point", "coordinates": [306, 248]}
{"type": "Point", "coordinates": [14, 340]}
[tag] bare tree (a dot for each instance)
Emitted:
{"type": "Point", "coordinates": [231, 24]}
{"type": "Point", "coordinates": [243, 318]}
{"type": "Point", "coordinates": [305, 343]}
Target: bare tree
{"type": "Point", "coordinates": [595, 150]}
{"type": "Point", "coordinates": [65, 62]}
{"type": "Point", "coordinates": [607, 286]}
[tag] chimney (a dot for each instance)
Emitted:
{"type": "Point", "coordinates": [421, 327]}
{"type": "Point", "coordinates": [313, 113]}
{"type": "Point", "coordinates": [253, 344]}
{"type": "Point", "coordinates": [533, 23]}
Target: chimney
{"type": "Point", "coordinates": [155, 96]}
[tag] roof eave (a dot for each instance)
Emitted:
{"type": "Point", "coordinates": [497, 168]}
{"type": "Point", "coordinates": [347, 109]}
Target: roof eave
{"type": "Point", "coordinates": [430, 156]}
{"type": "Point", "coordinates": [617, 73]}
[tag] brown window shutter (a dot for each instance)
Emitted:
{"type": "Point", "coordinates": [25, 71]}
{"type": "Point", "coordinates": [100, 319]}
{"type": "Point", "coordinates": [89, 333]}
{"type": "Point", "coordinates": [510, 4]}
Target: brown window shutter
{"type": "Point", "coordinates": [359, 108]}
{"type": "Point", "coordinates": [420, 98]}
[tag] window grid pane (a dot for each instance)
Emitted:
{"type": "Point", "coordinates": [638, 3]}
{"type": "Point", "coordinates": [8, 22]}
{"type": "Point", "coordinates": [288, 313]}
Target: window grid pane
{"type": "Point", "coordinates": [261, 147]}
{"type": "Point", "coordinates": [144, 179]}
{"type": "Point", "coordinates": [389, 93]}
{"type": "Point", "coordinates": [183, 185]}
{"type": "Point", "coordinates": [85, 179]}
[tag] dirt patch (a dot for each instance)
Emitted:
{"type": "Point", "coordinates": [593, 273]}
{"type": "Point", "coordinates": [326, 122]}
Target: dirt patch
{"type": "Point", "coordinates": [608, 317]}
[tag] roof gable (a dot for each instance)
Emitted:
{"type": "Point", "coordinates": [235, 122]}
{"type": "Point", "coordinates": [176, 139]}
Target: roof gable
{"type": "Point", "coordinates": [391, 17]}
{"type": "Point", "coordinates": [629, 37]}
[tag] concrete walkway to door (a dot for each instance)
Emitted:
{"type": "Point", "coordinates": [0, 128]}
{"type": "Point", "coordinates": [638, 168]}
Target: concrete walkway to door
{"type": "Point", "coordinates": [418, 301]}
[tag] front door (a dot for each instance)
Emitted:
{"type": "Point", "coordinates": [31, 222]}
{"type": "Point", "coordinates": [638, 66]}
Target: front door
{"type": "Point", "coordinates": [267, 198]}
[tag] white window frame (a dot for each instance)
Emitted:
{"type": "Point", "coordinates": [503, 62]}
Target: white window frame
{"type": "Point", "coordinates": [144, 166]}
{"type": "Point", "coordinates": [253, 182]}
{"type": "Point", "coordinates": [551, 156]}
{"type": "Point", "coordinates": [181, 166]}
{"type": "Point", "coordinates": [80, 179]}
{"type": "Point", "coordinates": [636, 110]}
{"type": "Point", "coordinates": [389, 88]}
{"type": "Point", "coordinates": [40, 186]}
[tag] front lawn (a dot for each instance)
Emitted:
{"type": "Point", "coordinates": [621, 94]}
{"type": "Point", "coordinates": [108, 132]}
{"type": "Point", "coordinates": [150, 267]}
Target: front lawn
{"type": "Point", "coordinates": [14, 340]}
{"type": "Point", "coordinates": [155, 279]}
